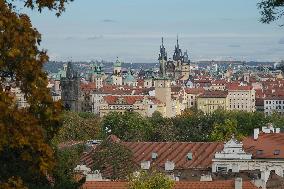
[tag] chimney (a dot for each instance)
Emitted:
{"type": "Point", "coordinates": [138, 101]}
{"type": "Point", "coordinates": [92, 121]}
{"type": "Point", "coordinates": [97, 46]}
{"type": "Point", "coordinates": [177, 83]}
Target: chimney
{"type": "Point", "coordinates": [255, 133]}
{"type": "Point", "coordinates": [238, 183]}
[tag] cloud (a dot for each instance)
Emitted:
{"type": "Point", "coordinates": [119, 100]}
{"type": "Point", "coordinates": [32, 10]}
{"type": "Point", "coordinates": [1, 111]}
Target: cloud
{"type": "Point", "coordinates": [108, 21]}
{"type": "Point", "coordinates": [234, 46]}
{"type": "Point", "coordinates": [226, 19]}
{"type": "Point", "coordinates": [69, 38]}
{"type": "Point", "coordinates": [281, 41]}
{"type": "Point", "coordinates": [95, 37]}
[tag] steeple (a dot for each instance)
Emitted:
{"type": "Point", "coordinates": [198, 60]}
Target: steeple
{"type": "Point", "coordinates": [162, 59]}
{"type": "Point", "coordinates": [70, 71]}
{"type": "Point", "coordinates": [178, 55]}
{"type": "Point", "coordinates": [177, 42]}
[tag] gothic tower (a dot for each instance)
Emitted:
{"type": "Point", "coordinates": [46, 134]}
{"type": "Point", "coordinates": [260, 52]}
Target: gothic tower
{"type": "Point", "coordinates": [71, 93]}
{"type": "Point", "coordinates": [163, 94]}
{"type": "Point", "coordinates": [162, 59]}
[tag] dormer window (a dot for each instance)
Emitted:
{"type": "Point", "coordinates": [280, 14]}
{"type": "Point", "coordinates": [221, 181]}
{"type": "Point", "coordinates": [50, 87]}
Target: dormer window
{"type": "Point", "coordinates": [154, 155]}
{"type": "Point", "coordinates": [189, 156]}
{"type": "Point", "coordinates": [276, 152]}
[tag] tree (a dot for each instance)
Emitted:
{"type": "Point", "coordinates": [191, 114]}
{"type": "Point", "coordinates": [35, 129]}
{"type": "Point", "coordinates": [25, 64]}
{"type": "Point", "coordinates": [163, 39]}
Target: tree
{"type": "Point", "coordinates": [77, 127]}
{"type": "Point", "coordinates": [150, 180]}
{"type": "Point", "coordinates": [26, 156]}
{"type": "Point", "coordinates": [223, 132]}
{"type": "Point", "coordinates": [129, 126]}
{"type": "Point", "coordinates": [114, 159]}
{"type": "Point", "coordinates": [162, 129]}
{"type": "Point", "coordinates": [67, 159]}
{"type": "Point", "coordinates": [271, 10]}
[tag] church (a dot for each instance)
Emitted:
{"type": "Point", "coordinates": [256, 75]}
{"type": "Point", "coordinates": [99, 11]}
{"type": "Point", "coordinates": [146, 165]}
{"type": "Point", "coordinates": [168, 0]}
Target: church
{"type": "Point", "coordinates": [177, 68]}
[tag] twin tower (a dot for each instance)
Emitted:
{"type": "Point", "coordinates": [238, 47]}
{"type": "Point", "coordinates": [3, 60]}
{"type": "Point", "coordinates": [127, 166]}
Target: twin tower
{"type": "Point", "coordinates": [177, 68]}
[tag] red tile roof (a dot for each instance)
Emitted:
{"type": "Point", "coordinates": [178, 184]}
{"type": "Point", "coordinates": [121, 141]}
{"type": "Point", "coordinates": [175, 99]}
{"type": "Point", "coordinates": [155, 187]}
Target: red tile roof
{"type": "Point", "coordinates": [239, 88]}
{"type": "Point", "coordinates": [194, 90]}
{"type": "Point", "coordinates": [268, 143]}
{"type": "Point", "coordinates": [202, 153]}
{"type": "Point", "coordinates": [214, 94]}
{"type": "Point", "coordinates": [129, 100]}
{"type": "Point", "coordinates": [220, 184]}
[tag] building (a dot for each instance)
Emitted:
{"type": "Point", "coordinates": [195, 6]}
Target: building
{"type": "Point", "coordinates": [258, 156]}
{"type": "Point", "coordinates": [70, 90]}
{"type": "Point", "coordinates": [241, 98]}
{"type": "Point", "coordinates": [219, 184]}
{"type": "Point", "coordinates": [96, 75]}
{"type": "Point", "coordinates": [163, 94]}
{"type": "Point", "coordinates": [144, 105]}
{"type": "Point", "coordinates": [192, 95]}
{"type": "Point", "coordinates": [274, 104]}
{"type": "Point", "coordinates": [117, 73]}
{"type": "Point", "coordinates": [210, 101]}
{"type": "Point", "coordinates": [177, 68]}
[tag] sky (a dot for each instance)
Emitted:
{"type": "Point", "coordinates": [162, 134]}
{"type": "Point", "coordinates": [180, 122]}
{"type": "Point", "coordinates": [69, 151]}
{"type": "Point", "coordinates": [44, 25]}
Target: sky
{"type": "Point", "coordinates": [132, 30]}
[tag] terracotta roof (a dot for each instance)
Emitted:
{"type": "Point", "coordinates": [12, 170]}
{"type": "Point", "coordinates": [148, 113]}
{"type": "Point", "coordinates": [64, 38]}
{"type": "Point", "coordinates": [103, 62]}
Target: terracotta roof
{"type": "Point", "coordinates": [88, 87]}
{"type": "Point", "coordinates": [274, 98]}
{"type": "Point", "coordinates": [214, 94]}
{"type": "Point", "coordinates": [223, 184]}
{"type": "Point", "coordinates": [194, 90]}
{"type": "Point", "coordinates": [219, 82]}
{"type": "Point", "coordinates": [202, 153]}
{"type": "Point", "coordinates": [129, 100]}
{"type": "Point", "coordinates": [265, 146]}
{"type": "Point", "coordinates": [239, 88]}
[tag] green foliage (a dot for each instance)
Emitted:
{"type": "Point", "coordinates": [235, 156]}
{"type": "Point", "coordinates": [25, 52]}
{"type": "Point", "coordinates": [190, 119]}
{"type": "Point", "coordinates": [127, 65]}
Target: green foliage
{"type": "Point", "coordinates": [129, 126]}
{"type": "Point", "coordinates": [113, 158]}
{"type": "Point", "coordinates": [191, 125]}
{"type": "Point", "coordinates": [150, 180]}
{"type": "Point", "coordinates": [67, 159]}
{"type": "Point", "coordinates": [271, 10]}
{"type": "Point", "coordinates": [78, 127]}
{"type": "Point", "coordinates": [225, 131]}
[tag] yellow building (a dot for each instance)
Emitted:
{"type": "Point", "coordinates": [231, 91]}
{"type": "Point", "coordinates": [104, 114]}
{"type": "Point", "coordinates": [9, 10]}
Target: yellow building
{"type": "Point", "coordinates": [241, 98]}
{"type": "Point", "coordinates": [210, 101]}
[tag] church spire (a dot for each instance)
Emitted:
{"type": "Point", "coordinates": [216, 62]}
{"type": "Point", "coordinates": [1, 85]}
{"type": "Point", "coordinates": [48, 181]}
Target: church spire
{"type": "Point", "coordinates": [177, 41]}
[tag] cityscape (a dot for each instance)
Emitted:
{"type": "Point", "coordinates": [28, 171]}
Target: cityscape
{"type": "Point", "coordinates": [169, 118]}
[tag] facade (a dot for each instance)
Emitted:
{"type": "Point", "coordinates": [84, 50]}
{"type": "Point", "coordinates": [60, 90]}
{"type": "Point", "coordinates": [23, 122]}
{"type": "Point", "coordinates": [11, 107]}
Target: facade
{"type": "Point", "coordinates": [70, 90]}
{"type": "Point", "coordinates": [144, 105]}
{"type": "Point", "coordinates": [210, 101]}
{"type": "Point", "coordinates": [241, 98]}
{"type": "Point", "coordinates": [117, 73]}
{"type": "Point", "coordinates": [258, 155]}
{"type": "Point", "coordinates": [274, 104]}
{"type": "Point", "coordinates": [177, 68]}
{"type": "Point", "coordinates": [163, 94]}
{"type": "Point", "coordinates": [97, 75]}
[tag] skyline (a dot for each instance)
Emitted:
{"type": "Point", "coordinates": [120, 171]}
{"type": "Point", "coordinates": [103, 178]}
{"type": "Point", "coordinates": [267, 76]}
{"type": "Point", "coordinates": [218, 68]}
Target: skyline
{"type": "Point", "coordinates": [132, 30]}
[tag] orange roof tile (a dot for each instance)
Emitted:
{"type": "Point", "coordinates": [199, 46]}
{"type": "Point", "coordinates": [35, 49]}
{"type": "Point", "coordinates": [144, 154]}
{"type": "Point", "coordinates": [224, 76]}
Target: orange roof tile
{"type": "Point", "coordinates": [268, 143]}
{"type": "Point", "coordinates": [220, 184]}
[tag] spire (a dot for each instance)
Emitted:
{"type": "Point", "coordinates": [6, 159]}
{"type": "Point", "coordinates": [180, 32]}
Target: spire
{"type": "Point", "coordinates": [162, 41]}
{"type": "Point", "coordinates": [177, 41]}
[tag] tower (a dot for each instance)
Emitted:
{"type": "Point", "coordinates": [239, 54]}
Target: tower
{"type": "Point", "coordinates": [163, 94]}
{"type": "Point", "coordinates": [117, 73]}
{"type": "Point", "coordinates": [162, 59]}
{"type": "Point", "coordinates": [70, 90]}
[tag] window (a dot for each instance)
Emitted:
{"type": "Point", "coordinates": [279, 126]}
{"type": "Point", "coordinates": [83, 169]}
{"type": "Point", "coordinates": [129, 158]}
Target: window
{"type": "Point", "coordinates": [259, 152]}
{"type": "Point", "coordinates": [221, 169]}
